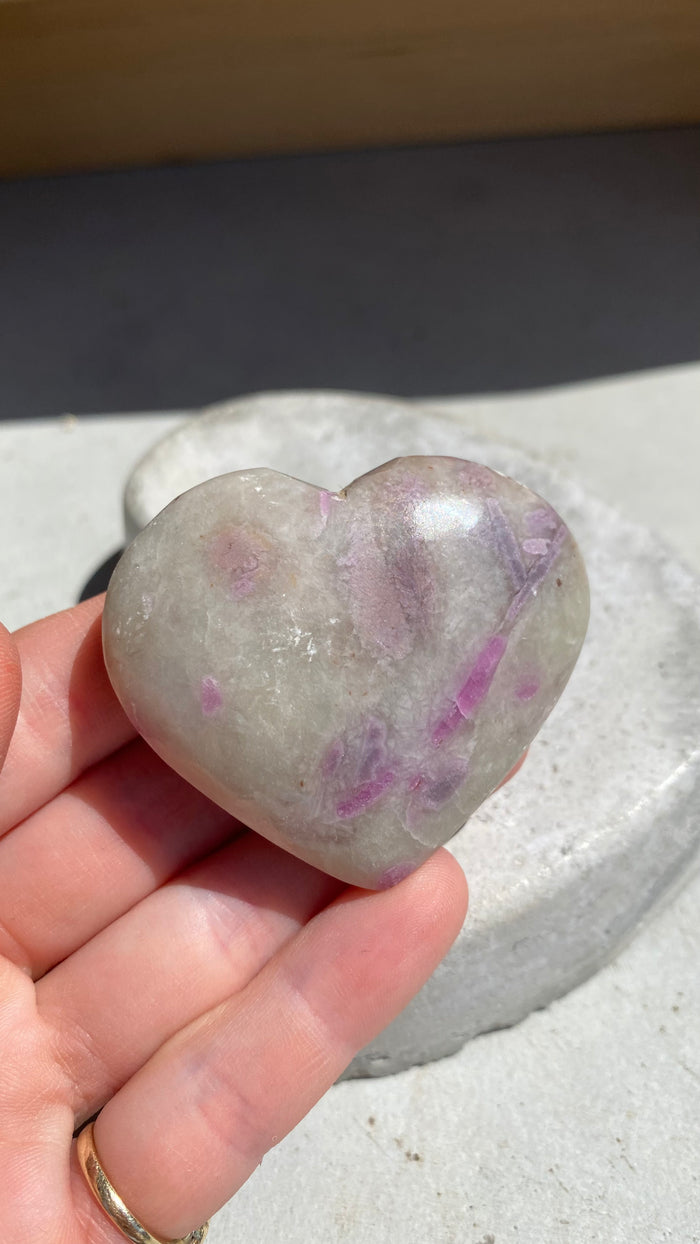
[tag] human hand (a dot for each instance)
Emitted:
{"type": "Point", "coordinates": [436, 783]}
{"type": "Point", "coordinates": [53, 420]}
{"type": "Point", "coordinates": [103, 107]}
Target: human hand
{"type": "Point", "coordinates": [159, 963]}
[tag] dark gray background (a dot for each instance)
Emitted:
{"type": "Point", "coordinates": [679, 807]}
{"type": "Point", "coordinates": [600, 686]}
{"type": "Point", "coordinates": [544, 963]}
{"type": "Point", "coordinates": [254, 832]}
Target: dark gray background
{"type": "Point", "coordinates": [454, 269]}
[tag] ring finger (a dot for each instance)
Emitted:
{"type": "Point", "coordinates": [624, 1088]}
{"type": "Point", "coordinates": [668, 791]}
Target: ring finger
{"type": "Point", "coordinates": [189, 1128]}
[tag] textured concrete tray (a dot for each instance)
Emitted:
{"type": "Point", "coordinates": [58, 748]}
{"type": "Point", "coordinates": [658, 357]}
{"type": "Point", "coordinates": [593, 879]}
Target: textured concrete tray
{"type": "Point", "coordinates": [603, 822]}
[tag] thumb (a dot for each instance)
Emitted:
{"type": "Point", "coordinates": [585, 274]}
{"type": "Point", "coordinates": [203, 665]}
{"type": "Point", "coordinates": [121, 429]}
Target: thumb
{"type": "Point", "coordinates": [10, 689]}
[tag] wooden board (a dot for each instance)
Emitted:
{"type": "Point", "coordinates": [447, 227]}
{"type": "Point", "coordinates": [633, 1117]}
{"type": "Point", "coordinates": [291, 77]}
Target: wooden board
{"type": "Point", "coordinates": [94, 83]}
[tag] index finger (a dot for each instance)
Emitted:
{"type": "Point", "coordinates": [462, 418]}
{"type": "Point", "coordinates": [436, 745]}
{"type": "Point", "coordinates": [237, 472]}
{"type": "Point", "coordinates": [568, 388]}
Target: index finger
{"type": "Point", "coordinates": [69, 717]}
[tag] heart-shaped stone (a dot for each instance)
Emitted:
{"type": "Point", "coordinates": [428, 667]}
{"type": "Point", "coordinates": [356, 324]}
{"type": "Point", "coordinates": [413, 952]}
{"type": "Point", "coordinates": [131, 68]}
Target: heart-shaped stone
{"type": "Point", "coordinates": [350, 674]}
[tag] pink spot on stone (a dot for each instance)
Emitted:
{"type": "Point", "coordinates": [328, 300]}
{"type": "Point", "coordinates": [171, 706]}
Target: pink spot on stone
{"type": "Point", "coordinates": [245, 585]}
{"type": "Point", "coordinates": [527, 689]}
{"type": "Point", "coordinates": [474, 475]}
{"type": "Point", "coordinates": [392, 876]}
{"type": "Point", "coordinates": [537, 547]}
{"type": "Point", "coordinates": [416, 782]}
{"type": "Point", "coordinates": [364, 796]}
{"type": "Point", "coordinates": [210, 696]}
{"type": "Point", "coordinates": [541, 522]}
{"type": "Point", "coordinates": [242, 556]}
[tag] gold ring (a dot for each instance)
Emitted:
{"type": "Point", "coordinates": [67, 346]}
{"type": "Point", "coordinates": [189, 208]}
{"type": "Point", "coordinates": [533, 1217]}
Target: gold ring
{"type": "Point", "coordinates": [111, 1202]}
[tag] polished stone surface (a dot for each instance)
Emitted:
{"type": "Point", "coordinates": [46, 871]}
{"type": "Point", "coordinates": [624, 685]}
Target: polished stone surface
{"type": "Point", "coordinates": [349, 673]}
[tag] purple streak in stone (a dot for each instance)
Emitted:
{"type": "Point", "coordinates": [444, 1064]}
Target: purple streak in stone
{"type": "Point", "coordinates": [443, 788]}
{"type": "Point", "coordinates": [210, 696]}
{"type": "Point", "coordinates": [446, 726]}
{"type": "Point", "coordinates": [373, 754]}
{"type": "Point", "coordinates": [410, 572]}
{"type": "Point", "coordinates": [506, 542]}
{"type": "Point", "coordinates": [375, 606]}
{"type": "Point", "coordinates": [332, 758]}
{"type": "Point", "coordinates": [479, 681]}
{"type": "Point", "coordinates": [364, 796]}
{"type": "Point", "coordinates": [474, 690]}
{"type": "Point", "coordinates": [536, 574]}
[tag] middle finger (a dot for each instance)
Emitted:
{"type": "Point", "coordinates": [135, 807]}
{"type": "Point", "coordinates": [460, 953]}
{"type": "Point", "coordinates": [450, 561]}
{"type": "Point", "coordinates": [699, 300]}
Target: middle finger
{"type": "Point", "coordinates": [85, 858]}
{"type": "Point", "coordinates": [174, 956]}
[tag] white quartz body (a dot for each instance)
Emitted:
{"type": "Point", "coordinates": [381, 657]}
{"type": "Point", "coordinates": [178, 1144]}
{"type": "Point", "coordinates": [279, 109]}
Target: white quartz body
{"type": "Point", "coordinates": [350, 674]}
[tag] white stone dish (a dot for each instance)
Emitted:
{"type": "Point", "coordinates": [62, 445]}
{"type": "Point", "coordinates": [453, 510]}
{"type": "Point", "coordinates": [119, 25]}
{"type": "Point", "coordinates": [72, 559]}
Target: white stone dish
{"type": "Point", "coordinates": [603, 821]}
